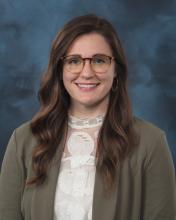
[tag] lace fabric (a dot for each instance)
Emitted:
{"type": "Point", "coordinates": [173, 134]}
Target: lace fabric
{"type": "Point", "coordinates": [74, 191]}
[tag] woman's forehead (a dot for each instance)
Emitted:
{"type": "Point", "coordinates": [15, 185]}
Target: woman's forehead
{"type": "Point", "coordinates": [90, 44]}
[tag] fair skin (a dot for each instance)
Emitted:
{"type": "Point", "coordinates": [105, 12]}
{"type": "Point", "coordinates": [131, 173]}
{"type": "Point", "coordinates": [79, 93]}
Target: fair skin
{"type": "Point", "coordinates": [89, 91]}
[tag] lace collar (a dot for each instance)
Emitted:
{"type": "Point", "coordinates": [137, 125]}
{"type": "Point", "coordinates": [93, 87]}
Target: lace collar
{"type": "Point", "coordinates": [80, 123]}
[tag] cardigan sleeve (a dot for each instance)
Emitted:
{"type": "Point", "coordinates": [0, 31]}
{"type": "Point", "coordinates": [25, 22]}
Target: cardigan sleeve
{"type": "Point", "coordinates": [11, 183]}
{"type": "Point", "coordinates": [159, 189]}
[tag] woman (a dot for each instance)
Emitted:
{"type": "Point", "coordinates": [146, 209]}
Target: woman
{"type": "Point", "coordinates": [84, 156]}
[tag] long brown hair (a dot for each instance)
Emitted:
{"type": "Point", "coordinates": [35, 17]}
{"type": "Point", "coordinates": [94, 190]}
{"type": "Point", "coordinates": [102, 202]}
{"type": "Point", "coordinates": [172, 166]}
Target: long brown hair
{"type": "Point", "coordinates": [116, 137]}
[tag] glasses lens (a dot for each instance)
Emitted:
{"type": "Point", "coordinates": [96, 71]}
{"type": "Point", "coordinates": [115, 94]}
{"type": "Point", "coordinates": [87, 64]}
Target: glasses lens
{"type": "Point", "coordinates": [73, 64]}
{"type": "Point", "coordinates": [100, 63]}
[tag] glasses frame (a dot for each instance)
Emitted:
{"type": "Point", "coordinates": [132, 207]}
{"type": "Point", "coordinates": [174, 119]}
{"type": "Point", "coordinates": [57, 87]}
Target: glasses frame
{"type": "Point", "coordinates": [90, 60]}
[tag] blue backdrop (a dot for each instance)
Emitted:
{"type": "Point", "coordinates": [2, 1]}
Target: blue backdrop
{"type": "Point", "coordinates": [148, 33]}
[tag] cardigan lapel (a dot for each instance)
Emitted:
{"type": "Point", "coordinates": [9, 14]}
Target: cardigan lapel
{"type": "Point", "coordinates": [104, 207]}
{"type": "Point", "coordinates": [42, 205]}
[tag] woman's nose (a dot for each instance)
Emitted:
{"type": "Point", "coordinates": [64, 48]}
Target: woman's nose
{"type": "Point", "coordinates": [87, 70]}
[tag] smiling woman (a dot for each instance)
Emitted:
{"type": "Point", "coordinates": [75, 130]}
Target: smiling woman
{"type": "Point", "coordinates": [84, 156]}
{"type": "Point", "coordinates": [88, 74]}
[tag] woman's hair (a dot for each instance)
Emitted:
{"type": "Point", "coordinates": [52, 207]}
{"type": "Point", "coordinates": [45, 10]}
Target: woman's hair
{"type": "Point", "coordinates": [116, 138]}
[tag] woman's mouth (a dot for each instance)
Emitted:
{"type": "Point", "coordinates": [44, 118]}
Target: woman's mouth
{"type": "Point", "coordinates": [87, 86]}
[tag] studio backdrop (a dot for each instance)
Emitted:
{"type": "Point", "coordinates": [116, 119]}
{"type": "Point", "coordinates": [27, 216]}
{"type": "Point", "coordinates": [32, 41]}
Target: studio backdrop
{"type": "Point", "coordinates": [148, 33]}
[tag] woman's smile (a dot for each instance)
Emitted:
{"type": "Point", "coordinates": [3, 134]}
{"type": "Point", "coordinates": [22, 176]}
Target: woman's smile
{"type": "Point", "coordinates": [87, 87]}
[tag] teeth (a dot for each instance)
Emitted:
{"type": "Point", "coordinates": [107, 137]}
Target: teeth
{"type": "Point", "coordinates": [86, 85]}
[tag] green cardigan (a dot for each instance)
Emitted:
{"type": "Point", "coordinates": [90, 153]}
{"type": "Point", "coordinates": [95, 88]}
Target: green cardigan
{"type": "Point", "coordinates": [145, 184]}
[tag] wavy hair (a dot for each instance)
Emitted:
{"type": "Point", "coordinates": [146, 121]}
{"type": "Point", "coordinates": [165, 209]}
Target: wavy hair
{"type": "Point", "coordinates": [116, 137]}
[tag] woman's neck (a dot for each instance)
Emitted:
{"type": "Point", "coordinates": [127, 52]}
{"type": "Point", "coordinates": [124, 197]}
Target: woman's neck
{"type": "Point", "coordinates": [87, 112]}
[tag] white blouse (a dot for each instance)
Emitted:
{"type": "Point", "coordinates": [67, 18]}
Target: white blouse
{"type": "Point", "coordinates": [75, 185]}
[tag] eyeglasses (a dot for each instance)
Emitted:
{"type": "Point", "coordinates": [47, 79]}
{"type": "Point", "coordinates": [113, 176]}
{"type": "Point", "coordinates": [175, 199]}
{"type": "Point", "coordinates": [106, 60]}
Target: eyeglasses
{"type": "Point", "coordinates": [100, 63]}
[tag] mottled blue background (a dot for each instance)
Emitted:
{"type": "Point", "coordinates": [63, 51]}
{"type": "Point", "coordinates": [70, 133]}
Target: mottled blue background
{"type": "Point", "coordinates": [148, 33]}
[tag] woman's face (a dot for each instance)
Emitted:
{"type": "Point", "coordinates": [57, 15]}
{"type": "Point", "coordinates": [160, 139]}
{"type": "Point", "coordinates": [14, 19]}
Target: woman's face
{"type": "Point", "coordinates": [88, 88]}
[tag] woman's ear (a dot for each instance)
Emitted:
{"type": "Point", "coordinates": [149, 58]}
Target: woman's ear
{"type": "Point", "coordinates": [115, 84]}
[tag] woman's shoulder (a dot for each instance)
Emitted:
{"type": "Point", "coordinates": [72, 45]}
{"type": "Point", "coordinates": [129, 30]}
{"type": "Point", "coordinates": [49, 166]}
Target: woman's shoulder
{"type": "Point", "coordinates": [24, 128]}
{"type": "Point", "coordinates": [21, 144]}
{"type": "Point", "coordinates": [24, 131]}
{"type": "Point", "coordinates": [152, 139]}
{"type": "Point", "coordinates": [146, 128]}
{"type": "Point", "coordinates": [24, 138]}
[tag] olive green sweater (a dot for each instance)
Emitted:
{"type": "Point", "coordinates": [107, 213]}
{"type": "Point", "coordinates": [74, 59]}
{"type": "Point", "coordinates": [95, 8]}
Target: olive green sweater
{"type": "Point", "coordinates": [145, 183]}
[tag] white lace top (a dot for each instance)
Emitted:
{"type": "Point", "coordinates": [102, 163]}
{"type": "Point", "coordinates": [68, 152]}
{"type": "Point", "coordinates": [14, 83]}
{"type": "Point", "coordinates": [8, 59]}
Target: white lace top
{"type": "Point", "coordinates": [74, 191]}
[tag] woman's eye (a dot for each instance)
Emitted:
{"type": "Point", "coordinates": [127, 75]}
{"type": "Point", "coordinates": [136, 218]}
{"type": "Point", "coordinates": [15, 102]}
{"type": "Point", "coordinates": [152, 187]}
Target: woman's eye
{"type": "Point", "coordinates": [98, 61]}
{"type": "Point", "coordinates": [73, 61]}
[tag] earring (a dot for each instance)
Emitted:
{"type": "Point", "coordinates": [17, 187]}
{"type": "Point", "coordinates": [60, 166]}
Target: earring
{"type": "Point", "coordinates": [115, 85]}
